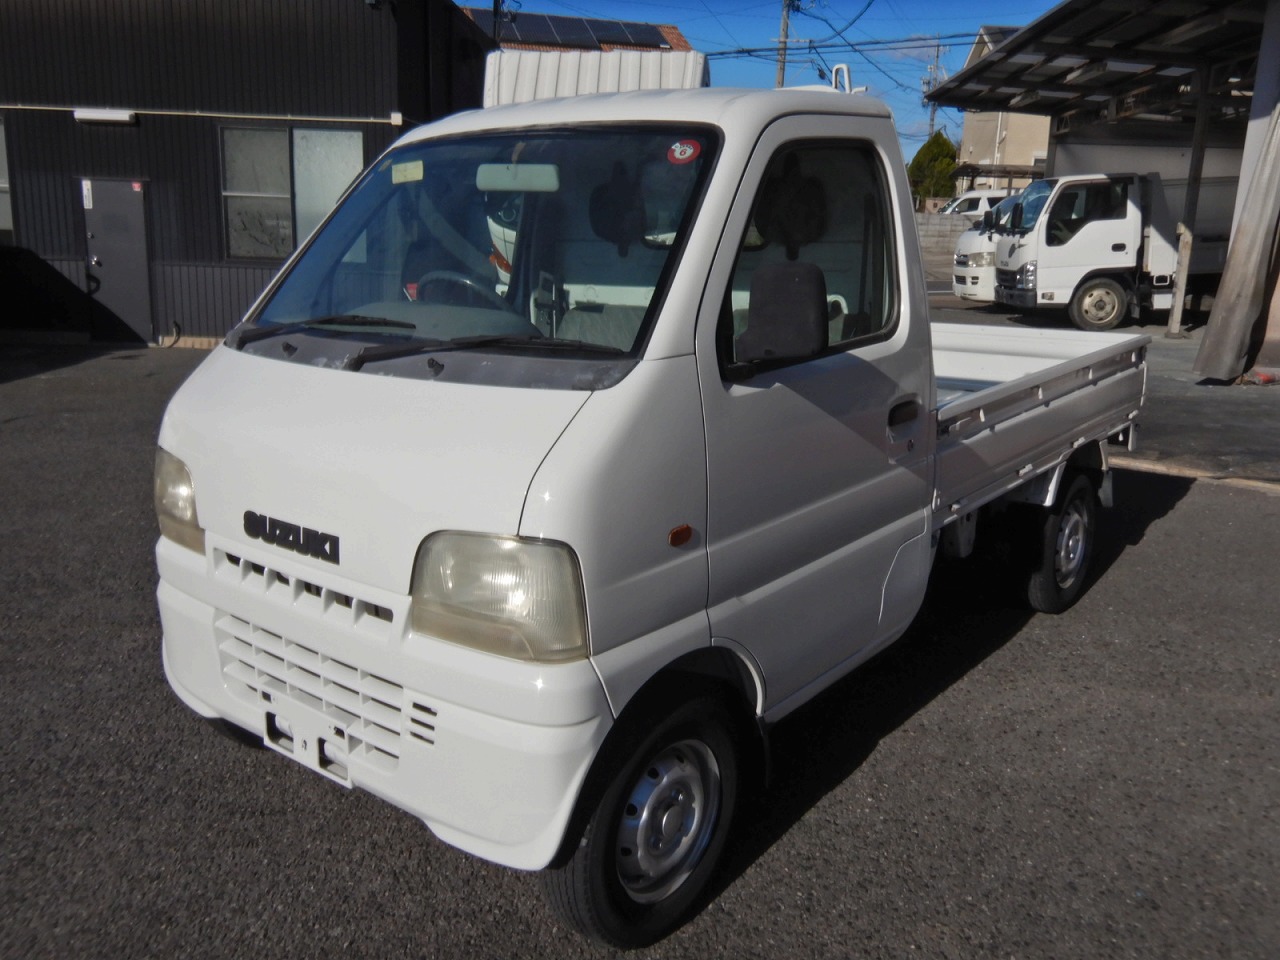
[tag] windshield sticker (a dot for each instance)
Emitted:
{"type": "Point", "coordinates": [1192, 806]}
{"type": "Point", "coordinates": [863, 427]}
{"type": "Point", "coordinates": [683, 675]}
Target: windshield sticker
{"type": "Point", "coordinates": [406, 172]}
{"type": "Point", "coordinates": [684, 151]}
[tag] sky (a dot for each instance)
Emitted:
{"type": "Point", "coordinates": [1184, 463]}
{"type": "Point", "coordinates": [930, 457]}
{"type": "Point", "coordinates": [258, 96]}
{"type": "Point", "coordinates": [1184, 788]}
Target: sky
{"type": "Point", "coordinates": [890, 46]}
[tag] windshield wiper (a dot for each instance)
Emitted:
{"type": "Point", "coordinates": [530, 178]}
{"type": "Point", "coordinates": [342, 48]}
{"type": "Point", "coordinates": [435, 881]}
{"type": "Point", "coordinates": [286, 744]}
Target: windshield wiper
{"type": "Point", "coordinates": [393, 351]}
{"type": "Point", "coordinates": [252, 334]}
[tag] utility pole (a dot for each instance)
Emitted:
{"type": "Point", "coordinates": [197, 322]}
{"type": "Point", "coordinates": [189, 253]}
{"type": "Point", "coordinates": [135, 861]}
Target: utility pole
{"type": "Point", "coordinates": [931, 81]}
{"type": "Point", "coordinates": [782, 42]}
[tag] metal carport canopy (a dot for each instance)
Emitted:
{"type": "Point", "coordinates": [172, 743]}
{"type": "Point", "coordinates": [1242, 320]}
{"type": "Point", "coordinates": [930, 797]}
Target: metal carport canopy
{"type": "Point", "coordinates": [1089, 61]}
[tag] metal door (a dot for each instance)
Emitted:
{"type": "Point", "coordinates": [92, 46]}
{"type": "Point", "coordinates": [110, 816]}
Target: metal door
{"type": "Point", "coordinates": [118, 274]}
{"type": "Point", "coordinates": [818, 518]}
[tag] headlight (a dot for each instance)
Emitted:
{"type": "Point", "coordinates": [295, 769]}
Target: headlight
{"type": "Point", "coordinates": [175, 498]}
{"type": "Point", "coordinates": [514, 597]}
{"type": "Point", "coordinates": [983, 259]}
{"type": "Point", "coordinates": [1027, 276]}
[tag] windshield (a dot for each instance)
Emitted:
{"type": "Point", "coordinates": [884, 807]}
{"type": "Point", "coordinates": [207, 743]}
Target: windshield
{"type": "Point", "coordinates": [507, 242]}
{"type": "Point", "coordinates": [1000, 215]}
{"type": "Point", "coordinates": [1033, 201]}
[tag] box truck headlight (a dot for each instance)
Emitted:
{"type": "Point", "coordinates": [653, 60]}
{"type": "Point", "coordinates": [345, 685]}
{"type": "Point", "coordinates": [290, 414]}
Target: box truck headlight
{"type": "Point", "coordinates": [175, 497]}
{"type": "Point", "coordinates": [1027, 276]}
{"type": "Point", "coordinates": [510, 596]}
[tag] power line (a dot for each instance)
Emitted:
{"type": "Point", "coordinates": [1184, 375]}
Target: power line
{"type": "Point", "coordinates": [900, 45]}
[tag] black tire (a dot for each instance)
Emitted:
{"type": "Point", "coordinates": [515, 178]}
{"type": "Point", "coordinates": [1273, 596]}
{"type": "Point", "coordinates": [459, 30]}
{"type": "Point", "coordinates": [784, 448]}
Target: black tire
{"type": "Point", "coordinates": [1098, 304]}
{"type": "Point", "coordinates": [1063, 547]}
{"type": "Point", "coordinates": [654, 836]}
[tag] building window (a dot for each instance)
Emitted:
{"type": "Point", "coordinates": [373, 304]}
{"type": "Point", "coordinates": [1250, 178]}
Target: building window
{"type": "Point", "coordinates": [277, 184]}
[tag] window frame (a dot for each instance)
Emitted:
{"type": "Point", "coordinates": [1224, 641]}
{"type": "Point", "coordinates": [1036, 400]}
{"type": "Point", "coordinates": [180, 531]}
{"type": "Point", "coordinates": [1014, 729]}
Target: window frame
{"type": "Point", "coordinates": [290, 132]}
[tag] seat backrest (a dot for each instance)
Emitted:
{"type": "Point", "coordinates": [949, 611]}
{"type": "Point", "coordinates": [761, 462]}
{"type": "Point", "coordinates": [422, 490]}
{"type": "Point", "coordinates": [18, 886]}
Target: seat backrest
{"type": "Point", "coordinates": [791, 209]}
{"type": "Point", "coordinates": [616, 210]}
{"type": "Point", "coordinates": [787, 318]}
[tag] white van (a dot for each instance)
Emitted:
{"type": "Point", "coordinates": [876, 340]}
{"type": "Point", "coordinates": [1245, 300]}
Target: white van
{"type": "Point", "coordinates": [974, 277]}
{"type": "Point", "coordinates": [974, 203]}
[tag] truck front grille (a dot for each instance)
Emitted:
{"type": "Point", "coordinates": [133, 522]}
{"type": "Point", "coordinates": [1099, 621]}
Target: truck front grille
{"type": "Point", "coordinates": [1007, 278]}
{"type": "Point", "coordinates": [303, 593]}
{"type": "Point", "coordinates": [369, 711]}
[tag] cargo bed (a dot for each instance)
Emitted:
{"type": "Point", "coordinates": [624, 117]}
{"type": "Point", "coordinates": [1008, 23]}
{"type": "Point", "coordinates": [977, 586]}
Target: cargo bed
{"type": "Point", "coordinates": [1014, 403]}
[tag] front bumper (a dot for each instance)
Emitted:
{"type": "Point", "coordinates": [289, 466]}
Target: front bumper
{"type": "Point", "coordinates": [1025, 299]}
{"type": "Point", "coordinates": [489, 753]}
{"type": "Point", "coordinates": [973, 284]}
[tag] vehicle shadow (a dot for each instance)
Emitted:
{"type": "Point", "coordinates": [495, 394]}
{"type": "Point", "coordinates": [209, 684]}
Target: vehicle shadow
{"type": "Point", "coordinates": [20, 361]}
{"type": "Point", "coordinates": [968, 614]}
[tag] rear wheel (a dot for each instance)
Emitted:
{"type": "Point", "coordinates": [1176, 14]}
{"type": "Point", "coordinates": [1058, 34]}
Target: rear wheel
{"type": "Point", "coordinates": [1099, 304]}
{"type": "Point", "coordinates": [1063, 546]}
{"type": "Point", "coordinates": [655, 834]}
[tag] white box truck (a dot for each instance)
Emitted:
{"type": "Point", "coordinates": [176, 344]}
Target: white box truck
{"type": "Point", "coordinates": [582, 442]}
{"type": "Point", "coordinates": [1101, 246]}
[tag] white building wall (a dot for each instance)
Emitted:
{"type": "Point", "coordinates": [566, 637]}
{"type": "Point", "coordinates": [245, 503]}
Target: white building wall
{"type": "Point", "coordinates": [519, 76]}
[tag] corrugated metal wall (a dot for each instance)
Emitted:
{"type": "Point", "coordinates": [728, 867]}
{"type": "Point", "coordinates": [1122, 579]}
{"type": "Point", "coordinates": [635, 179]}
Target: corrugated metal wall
{"type": "Point", "coordinates": [335, 64]}
{"type": "Point", "coordinates": [308, 57]}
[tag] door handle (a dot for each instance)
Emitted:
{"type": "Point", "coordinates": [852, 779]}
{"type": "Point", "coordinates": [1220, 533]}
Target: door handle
{"type": "Point", "coordinates": [903, 412]}
{"type": "Point", "coordinates": [1118, 247]}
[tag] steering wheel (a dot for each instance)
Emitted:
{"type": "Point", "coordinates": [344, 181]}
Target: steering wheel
{"type": "Point", "coordinates": [470, 284]}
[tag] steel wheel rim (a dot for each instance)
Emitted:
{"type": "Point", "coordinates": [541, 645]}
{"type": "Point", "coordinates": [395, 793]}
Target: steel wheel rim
{"type": "Point", "coordinates": [668, 820]}
{"type": "Point", "coordinates": [1100, 305]}
{"type": "Point", "coordinates": [1073, 536]}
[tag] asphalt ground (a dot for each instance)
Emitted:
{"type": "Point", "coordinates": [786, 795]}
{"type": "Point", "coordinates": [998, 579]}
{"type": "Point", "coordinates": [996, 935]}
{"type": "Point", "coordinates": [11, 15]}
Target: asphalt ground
{"type": "Point", "coordinates": [997, 784]}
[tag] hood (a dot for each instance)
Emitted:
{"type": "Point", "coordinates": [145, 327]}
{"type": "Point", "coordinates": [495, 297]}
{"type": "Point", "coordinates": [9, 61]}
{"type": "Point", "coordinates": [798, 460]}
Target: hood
{"type": "Point", "coordinates": [377, 462]}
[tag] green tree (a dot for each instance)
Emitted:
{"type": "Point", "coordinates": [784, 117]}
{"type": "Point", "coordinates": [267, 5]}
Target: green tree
{"type": "Point", "coordinates": [930, 169]}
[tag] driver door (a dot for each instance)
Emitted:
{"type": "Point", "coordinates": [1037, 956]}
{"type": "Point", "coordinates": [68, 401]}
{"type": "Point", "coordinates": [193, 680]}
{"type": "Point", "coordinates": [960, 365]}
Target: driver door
{"type": "Point", "coordinates": [817, 530]}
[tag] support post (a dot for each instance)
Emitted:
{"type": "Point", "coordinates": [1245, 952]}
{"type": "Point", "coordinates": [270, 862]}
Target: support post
{"type": "Point", "coordinates": [1180, 283]}
{"type": "Point", "coordinates": [1195, 171]}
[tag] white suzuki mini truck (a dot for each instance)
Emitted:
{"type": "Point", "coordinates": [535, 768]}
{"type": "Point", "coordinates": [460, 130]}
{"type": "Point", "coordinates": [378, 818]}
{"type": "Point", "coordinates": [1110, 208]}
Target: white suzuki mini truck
{"type": "Point", "coordinates": [584, 441]}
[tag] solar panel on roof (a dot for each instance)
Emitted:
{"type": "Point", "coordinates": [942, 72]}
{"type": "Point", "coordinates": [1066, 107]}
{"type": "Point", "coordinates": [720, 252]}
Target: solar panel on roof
{"type": "Point", "coordinates": [573, 32]}
{"type": "Point", "coordinates": [579, 32]}
{"type": "Point", "coordinates": [628, 34]}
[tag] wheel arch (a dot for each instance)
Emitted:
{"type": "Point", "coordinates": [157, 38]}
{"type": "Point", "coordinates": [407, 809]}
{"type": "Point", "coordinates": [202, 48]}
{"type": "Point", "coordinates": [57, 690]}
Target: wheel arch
{"type": "Point", "coordinates": [711, 671]}
{"type": "Point", "coordinates": [1042, 491]}
{"type": "Point", "coordinates": [1124, 277]}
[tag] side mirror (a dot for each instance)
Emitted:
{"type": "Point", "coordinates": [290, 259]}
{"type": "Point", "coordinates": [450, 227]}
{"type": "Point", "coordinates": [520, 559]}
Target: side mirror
{"type": "Point", "coordinates": [1015, 217]}
{"type": "Point", "coordinates": [988, 219]}
{"type": "Point", "coordinates": [787, 318]}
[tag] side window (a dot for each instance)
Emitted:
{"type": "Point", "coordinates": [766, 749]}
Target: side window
{"type": "Point", "coordinates": [814, 271]}
{"type": "Point", "coordinates": [1083, 204]}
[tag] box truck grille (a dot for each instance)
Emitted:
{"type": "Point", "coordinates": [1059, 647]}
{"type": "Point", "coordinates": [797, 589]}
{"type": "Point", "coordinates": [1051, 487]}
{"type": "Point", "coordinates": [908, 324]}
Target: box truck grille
{"type": "Point", "coordinates": [370, 711]}
{"type": "Point", "coordinates": [1007, 278]}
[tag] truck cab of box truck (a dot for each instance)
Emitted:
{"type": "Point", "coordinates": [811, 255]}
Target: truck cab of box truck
{"type": "Point", "coordinates": [1093, 245]}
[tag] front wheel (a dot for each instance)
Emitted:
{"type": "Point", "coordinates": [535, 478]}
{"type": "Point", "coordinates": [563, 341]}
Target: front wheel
{"type": "Point", "coordinates": [1098, 304]}
{"type": "Point", "coordinates": [1063, 547]}
{"type": "Point", "coordinates": [654, 836]}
